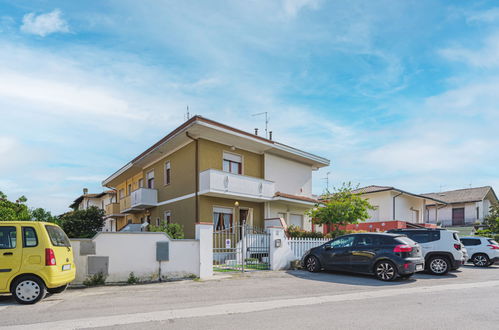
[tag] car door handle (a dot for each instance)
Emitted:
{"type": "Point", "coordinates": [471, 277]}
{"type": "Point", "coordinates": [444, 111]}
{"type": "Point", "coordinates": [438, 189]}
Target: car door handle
{"type": "Point", "coordinates": [8, 254]}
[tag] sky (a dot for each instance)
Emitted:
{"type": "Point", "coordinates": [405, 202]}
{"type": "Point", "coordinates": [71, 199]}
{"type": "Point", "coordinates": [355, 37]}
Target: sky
{"type": "Point", "coordinates": [395, 93]}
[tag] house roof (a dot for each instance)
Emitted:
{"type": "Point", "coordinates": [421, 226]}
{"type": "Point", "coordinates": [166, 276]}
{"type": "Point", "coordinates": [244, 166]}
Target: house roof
{"type": "Point", "coordinates": [375, 189]}
{"type": "Point", "coordinates": [466, 195]}
{"type": "Point", "coordinates": [300, 198]}
{"type": "Point", "coordinates": [98, 195]}
{"type": "Point", "coordinates": [202, 127]}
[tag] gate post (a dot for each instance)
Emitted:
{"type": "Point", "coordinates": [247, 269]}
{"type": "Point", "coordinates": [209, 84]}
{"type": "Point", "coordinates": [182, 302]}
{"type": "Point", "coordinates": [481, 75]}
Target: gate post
{"type": "Point", "coordinates": [280, 254]}
{"type": "Point", "coordinates": [204, 234]}
{"type": "Point", "coordinates": [243, 245]}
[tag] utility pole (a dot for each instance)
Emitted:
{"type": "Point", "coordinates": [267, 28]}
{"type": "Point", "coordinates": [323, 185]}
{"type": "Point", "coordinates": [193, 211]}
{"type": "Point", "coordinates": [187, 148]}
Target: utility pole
{"type": "Point", "coordinates": [266, 122]}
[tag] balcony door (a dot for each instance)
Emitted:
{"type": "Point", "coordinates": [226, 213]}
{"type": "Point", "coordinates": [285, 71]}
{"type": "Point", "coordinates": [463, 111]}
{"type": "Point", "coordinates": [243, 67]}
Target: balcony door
{"type": "Point", "coordinates": [246, 216]}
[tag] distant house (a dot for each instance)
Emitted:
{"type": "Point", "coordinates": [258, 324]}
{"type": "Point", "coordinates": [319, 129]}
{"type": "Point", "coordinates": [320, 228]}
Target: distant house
{"type": "Point", "coordinates": [103, 200]}
{"type": "Point", "coordinates": [464, 206]}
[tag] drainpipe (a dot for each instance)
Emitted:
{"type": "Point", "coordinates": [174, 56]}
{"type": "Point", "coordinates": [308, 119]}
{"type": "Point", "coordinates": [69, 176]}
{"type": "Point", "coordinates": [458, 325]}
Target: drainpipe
{"type": "Point", "coordinates": [394, 205]}
{"type": "Point", "coordinates": [196, 141]}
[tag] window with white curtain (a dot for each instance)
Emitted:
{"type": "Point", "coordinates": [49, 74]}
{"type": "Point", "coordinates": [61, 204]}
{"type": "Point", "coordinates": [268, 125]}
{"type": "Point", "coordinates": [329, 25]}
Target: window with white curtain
{"type": "Point", "coordinates": [222, 218]}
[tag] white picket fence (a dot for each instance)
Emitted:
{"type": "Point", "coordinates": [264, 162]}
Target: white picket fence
{"type": "Point", "coordinates": [300, 245]}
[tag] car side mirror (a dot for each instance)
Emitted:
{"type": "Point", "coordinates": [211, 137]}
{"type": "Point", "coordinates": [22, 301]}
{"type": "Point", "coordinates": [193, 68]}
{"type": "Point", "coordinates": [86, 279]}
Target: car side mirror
{"type": "Point", "coordinates": [327, 246]}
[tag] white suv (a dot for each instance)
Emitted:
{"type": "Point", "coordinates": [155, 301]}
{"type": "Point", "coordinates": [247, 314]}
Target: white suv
{"type": "Point", "coordinates": [442, 249]}
{"type": "Point", "coordinates": [483, 251]}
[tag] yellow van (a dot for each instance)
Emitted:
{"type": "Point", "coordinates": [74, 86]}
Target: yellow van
{"type": "Point", "coordinates": [35, 258]}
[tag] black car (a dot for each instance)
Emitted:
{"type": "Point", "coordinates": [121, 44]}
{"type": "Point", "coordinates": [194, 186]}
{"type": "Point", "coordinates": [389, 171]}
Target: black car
{"type": "Point", "coordinates": [384, 255]}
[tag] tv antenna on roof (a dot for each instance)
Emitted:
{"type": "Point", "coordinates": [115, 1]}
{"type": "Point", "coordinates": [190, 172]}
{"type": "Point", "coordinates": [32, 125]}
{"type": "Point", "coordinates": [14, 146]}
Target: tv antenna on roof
{"type": "Point", "coordinates": [266, 122]}
{"type": "Point", "coordinates": [187, 115]}
{"type": "Point", "coordinates": [327, 181]}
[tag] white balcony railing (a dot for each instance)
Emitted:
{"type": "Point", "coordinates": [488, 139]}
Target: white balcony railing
{"type": "Point", "coordinates": [143, 198]}
{"type": "Point", "coordinates": [219, 183]}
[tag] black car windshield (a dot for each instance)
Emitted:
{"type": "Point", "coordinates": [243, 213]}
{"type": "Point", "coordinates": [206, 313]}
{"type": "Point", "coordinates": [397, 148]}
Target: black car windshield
{"type": "Point", "coordinates": [57, 236]}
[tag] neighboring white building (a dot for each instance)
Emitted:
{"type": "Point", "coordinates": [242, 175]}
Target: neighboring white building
{"type": "Point", "coordinates": [464, 206]}
{"type": "Point", "coordinates": [99, 200]}
{"type": "Point", "coordinates": [392, 204]}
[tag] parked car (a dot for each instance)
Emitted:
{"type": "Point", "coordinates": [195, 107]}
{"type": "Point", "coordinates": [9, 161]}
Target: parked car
{"type": "Point", "coordinates": [442, 248]}
{"type": "Point", "coordinates": [35, 258]}
{"type": "Point", "coordinates": [483, 251]}
{"type": "Point", "coordinates": [387, 256]}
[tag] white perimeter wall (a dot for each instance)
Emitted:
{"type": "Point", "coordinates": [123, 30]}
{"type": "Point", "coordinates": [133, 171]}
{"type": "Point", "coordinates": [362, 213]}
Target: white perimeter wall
{"type": "Point", "coordinates": [290, 177]}
{"type": "Point", "coordinates": [136, 252]}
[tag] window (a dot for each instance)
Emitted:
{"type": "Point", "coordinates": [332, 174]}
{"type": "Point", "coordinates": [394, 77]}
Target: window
{"type": "Point", "coordinates": [168, 217]}
{"type": "Point", "coordinates": [141, 183]}
{"type": "Point", "coordinates": [342, 242]}
{"type": "Point", "coordinates": [296, 220]}
{"type": "Point", "coordinates": [122, 193]}
{"type": "Point", "coordinates": [366, 241]}
{"type": "Point", "coordinates": [57, 236]}
{"type": "Point", "coordinates": [232, 163]}
{"type": "Point", "coordinates": [150, 180]}
{"type": "Point", "coordinates": [8, 237]}
{"type": "Point", "coordinates": [168, 173]}
{"type": "Point", "coordinates": [470, 241]}
{"type": "Point", "coordinates": [158, 222]}
{"type": "Point", "coordinates": [477, 212]}
{"type": "Point", "coordinates": [29, 237]}
{"type": "Point", "coordinates": [222, 218]}
{"type": "Point", "coordinates": [129, 189]}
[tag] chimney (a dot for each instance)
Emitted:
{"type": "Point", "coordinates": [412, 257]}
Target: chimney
{"type": "Point", "coordinates": [270, 135]}
{"type": "Point", "coordinates": [85, 191]}
{"type": "Point", "coordinates": [256, 131]}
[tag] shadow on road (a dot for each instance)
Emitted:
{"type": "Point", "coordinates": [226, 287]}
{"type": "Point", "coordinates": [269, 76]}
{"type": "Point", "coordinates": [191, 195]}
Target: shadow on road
{"type": "Point", "coordinates": [361, 279]}
{"type": "Point", "coordinates": [7, 300]}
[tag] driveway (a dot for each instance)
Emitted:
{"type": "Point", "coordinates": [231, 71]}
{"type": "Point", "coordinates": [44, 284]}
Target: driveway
{"type": "Point", "coordinates": [463, 299]}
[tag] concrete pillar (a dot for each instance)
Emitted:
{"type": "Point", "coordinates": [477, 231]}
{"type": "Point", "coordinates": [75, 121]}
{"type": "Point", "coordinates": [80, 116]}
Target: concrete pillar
{"type": "Point", "coordinates": [204, 234]}
{"type": "Point", "coordinates": [280, 256]}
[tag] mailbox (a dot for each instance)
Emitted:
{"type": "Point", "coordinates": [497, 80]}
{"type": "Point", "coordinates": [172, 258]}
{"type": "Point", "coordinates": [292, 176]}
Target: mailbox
{"type": "Point", "coordinates": [162, 251]}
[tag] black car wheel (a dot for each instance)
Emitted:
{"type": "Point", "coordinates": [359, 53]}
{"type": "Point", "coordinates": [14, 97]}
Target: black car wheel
{"type": "Point", "coordinates": [385, 271]}
{"type": "Point", "coordinates": [481, 260]}
{"type": "Point", "coordinates": [312, 264]}
{"type": "Point", "coordinates": [438, 265]}
{"type": "Point", "coordinates": [60, 289]}
{"type": "Point", "coordinates": [28, 290]}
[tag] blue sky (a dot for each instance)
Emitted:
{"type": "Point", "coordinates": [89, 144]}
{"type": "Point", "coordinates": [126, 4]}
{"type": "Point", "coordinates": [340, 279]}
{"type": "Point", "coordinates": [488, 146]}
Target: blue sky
{"type": "Point", "coordinates": [401, 93]}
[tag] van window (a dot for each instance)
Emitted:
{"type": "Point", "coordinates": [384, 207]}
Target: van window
{"type": "Point", "coordinates": [8, 237]}
{"type": "Point", "coordinates": [29, 237]}
{"type": "Point", "coordinates": [57, 236]}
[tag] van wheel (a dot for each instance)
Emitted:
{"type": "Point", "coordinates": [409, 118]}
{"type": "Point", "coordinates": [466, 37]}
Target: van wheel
{"type": "Point", "coordinates": [438, 265]}
{"type": "Point", "coordinates": [60, 289]}
{"type": "Point", "coordinates": [28, 290]}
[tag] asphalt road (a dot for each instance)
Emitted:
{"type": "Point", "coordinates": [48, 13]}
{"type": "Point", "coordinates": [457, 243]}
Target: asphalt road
{"type": "Point", "coordinates": [465, 299]}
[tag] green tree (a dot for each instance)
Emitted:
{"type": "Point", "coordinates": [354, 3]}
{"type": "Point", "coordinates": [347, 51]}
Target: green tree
{"type": "Point", "coordinates": [40, 214]}
{"type": "Point", "coordinates": [340, 208]}
{"type": "Point", "coordinates": [174, 230]}
{"type": "Point", "coordinates": [492, 219]}
{"type": "Point", "coordinates": [82, 223]}
{"type": "Point", "coordinates": [13, 211]}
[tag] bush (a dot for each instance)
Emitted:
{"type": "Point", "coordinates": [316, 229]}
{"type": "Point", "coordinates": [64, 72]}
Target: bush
{"type": "Point", "coordinates": [96, 279]}
{"type": "Point", "coordinates": [174, 230]}
{"type": "Point", "coordinates": [82, 223]}
{"type": "Point", "coordinates": [294, 231]}
{"type": "Point", "coordinates": [132, 279]}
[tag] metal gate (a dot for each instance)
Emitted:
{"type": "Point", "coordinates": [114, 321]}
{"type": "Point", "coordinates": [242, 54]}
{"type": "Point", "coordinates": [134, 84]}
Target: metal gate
{"type": "Point", "coordinates": [241, 248]}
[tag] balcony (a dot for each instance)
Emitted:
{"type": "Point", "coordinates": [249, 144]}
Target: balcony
{"type": "Point", "coordinates": [222, 184]}
{"type": "Point", "coordinates": [113, 209]}
{"type": "Point", "coordinates": [139, 200]}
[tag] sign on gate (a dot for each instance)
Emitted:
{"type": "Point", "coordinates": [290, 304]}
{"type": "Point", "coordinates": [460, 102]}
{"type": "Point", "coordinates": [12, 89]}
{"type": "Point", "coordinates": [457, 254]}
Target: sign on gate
{"type": "Point", "coordinates": [227, 243]}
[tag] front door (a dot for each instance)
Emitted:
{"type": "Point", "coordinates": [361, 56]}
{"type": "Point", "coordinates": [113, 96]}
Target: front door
{"type": "Point", "coordinates": [458, 216]}
{"type": "Point", "coordinates": [244, 216]}
{"type": "Point", "coordinates": [338, 256]}
{"type": "Point", "coordinates": [10, 253]}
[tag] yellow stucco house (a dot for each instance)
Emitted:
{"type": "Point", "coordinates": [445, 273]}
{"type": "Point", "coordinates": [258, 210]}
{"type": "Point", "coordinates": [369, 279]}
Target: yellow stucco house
{"type": "Point", "coordinates": [201, 169]}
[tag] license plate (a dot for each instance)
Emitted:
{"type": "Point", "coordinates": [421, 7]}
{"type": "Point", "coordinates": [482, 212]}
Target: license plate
{"type": "Point", "coordinates": [419, 268]}
{"type": "Point", "coordinates": [66, 267]}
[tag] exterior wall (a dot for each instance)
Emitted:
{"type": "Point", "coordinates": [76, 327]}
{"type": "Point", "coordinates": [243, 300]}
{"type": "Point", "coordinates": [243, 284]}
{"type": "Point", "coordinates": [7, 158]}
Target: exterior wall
{"type": "Point", "coordinates": [290, 177]}
{"type": "Point", "coordinates": [211, 156]}
{"type": "Point", "coordinates": [274, 208]}
{"type": "Point", "coordinates": [136, 252]}
{"type": "Point", "coordinates": [183, 179]}
{"type": "Point", "coordinates": [206, 204]}
{"type": "Point", "coordinates": [445, 213]}
{"type": "Point", "coordinates": [404, 207]}
{"type": "Point", "coordinates": [183, 212]}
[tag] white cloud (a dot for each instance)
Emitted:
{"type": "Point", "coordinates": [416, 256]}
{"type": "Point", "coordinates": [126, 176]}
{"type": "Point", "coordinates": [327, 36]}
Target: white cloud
{"type": "Point", "coordinates": [293, 7]}
{"type": "Point", "coordinates": [484, 57]}
{"type": "Point", "coordinates": [487, 16]}
{"type": "Point", "coordinates": [44, 24]}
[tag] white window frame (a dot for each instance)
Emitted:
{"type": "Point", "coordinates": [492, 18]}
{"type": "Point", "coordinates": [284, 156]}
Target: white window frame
{"type": "Point", "coordinates": [148, 178]}
{"type": "Point", "coordinates": [235, 158]}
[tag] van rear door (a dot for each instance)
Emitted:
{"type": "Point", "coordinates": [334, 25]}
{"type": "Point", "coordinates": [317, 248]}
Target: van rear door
{"type": "Point", "coordinates": [61, 247]}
